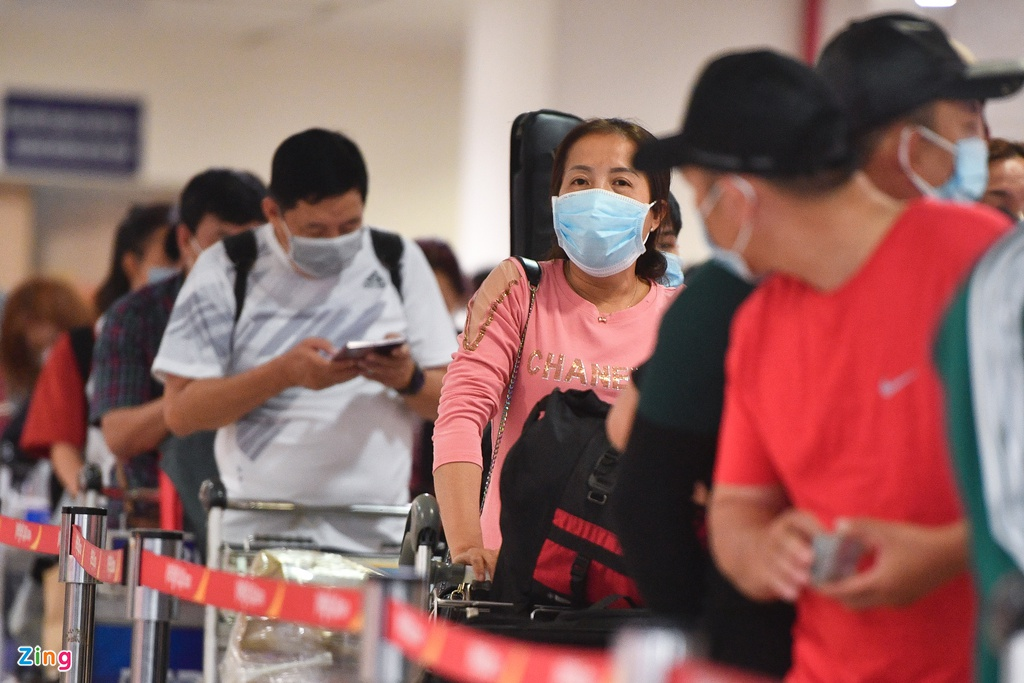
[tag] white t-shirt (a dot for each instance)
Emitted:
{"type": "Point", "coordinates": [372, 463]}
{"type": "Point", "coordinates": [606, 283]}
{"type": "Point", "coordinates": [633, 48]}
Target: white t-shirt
{"type": "Point", "coordinates": [350, 443]}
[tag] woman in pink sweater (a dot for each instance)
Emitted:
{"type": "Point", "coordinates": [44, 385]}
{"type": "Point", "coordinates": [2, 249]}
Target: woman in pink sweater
{"type": "Point", "coordinates": [595, 319]}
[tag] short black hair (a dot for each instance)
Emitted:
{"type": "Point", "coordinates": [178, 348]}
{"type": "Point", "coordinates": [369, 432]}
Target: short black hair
{"type": "Point", "coordinates": [314, 165]}
{"type": "Point", "coordinates": [232, 196]}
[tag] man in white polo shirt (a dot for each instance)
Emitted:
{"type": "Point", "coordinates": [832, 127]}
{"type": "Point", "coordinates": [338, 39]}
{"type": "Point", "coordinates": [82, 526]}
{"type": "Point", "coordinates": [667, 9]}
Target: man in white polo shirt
{"type": "Point", "coordinates": [257, 357]}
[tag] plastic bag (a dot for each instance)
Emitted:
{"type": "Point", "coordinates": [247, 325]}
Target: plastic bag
{"type": "Point", "coordinates": [263, 650]}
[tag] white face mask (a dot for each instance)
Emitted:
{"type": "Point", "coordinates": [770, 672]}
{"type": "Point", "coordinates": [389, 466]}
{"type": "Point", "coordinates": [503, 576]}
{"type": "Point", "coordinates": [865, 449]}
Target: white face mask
{"type": "Point", "coordinates": [970, 166]}
{"type": "Point", "coordinates": [731, 258]}
{"type": "Point", "coordinates": [161, 273]}
{"type": "Point", "coordinates": [673, 276]}
{"type": "Point", "coordinates": [600, 231]}
{"type": "Point", "coordinates": [322, 257]}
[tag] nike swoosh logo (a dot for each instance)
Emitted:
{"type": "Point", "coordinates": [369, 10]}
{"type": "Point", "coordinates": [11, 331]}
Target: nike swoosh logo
{"type": "Point", "coordinates": [887, 388]}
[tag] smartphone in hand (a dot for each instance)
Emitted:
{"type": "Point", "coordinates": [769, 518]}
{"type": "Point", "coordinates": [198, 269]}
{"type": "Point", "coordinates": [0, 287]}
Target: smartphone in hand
{"type": "Point", "coordinates": [362, 348]}
{"type": "Point", "coordinates": [836, 557]}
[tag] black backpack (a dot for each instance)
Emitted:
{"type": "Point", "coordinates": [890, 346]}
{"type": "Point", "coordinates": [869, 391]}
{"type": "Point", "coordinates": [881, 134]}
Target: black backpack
{"type": "Point", "coordinates": [558, 547]}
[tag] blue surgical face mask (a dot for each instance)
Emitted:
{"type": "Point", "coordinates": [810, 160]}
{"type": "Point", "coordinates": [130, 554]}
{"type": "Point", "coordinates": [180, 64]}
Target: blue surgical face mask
{"type": "Point", "coordinates": [730, 258]}
{"type": "Point", "coordinates": [161, 273]}
{"type": "Point", "coordinates": [673, 276]}
{"type": "Point", "coordinates": [601, 232]}
{"type": "Point", "coordinates": [970, 166]}
{"type": "Point", "coordinates": [321, 257]}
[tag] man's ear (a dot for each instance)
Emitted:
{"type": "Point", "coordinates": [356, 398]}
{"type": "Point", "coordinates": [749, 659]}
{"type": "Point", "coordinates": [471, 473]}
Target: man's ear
{"type": "Point", "coordinates": [131, 264]}
{"type": "Point", "coordinates": [270, 209]}
{"type": "Point", "coordinates": [182, 235]}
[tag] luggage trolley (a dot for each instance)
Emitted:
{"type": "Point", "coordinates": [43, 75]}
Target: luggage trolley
{"type": "Point", "coordinates": [422, 532]}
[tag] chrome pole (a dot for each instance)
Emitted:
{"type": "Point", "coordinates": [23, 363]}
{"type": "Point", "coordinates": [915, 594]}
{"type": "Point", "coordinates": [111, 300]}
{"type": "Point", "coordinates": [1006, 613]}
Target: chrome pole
{"type": "Point", "coordinates": [379, 660]}
{"type": "Point", "coordinates": [79, 590]}
{"type": "Point", "coordinates": [214, 498]}
{"type": "Point", "coordinates": [150, 611]}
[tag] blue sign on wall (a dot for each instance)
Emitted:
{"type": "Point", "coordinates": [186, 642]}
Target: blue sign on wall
{"type": "Point", "coordinates": [71, 134]}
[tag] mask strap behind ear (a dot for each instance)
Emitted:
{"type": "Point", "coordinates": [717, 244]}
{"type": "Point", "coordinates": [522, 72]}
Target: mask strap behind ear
{"type": "Point", "coordinates": [710, 200]}
{"type": "Point", "coordinates": [747, 229]}
{"type": "Point", "coordinates": [903, 156]}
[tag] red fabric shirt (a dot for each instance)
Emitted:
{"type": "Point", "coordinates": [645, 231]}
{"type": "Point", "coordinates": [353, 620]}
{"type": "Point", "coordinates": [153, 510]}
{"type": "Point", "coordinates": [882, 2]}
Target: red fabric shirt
{"type": "Point", "coordinates": [57, 411]}
{"type": "Point", "coordinates": [832, 395]}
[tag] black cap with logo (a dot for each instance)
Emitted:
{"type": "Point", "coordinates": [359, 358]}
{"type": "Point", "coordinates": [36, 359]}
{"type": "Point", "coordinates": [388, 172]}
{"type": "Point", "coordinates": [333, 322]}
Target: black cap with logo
{"type": "Point", "coordinates": [890, 64]}
{"type": "Point", "coordinates": [757, 112]}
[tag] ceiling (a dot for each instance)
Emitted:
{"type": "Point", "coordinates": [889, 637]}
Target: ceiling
{"type": "Point", "coordinates": [437, 24]}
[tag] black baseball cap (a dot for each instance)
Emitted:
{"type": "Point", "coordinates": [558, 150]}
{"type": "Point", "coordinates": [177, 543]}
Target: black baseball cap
{"type": "Point", "coordinates": [890, 64]}
{"type": "Point", "coordinates": [757, 112]}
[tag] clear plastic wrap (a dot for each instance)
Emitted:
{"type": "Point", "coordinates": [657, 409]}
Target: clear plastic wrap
{"type": "Point", "coordinates": [262, 650]}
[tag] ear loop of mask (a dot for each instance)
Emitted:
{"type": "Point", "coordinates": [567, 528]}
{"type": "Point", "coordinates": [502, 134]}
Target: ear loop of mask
{"type": "Point", "coordinates": [903, 155]}
{"type": "Point", "coordinates": [711, 201]}
{"type": "Point", "coordinates": [747, 228]}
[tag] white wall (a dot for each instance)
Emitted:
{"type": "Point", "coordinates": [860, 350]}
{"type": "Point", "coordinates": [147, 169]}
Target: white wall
{"type": "Point", "coordinates": [430, 108]}
{"type": "Point", "coordinates": [635, 60]}
{"type": "Point", "coordinates": [509, 69]}
{"type": "Point", "coordinates": [639, 61]}
{"type": "Point", "coordinates": [212, 97]}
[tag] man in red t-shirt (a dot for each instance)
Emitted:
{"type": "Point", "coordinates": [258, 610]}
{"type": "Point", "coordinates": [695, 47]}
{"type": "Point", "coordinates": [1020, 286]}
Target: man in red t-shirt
{"type": "Point", "coordinates": [832, 418]}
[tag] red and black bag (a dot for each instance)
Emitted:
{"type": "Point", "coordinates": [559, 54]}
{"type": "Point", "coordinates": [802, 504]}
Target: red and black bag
{"type": "Point", "coordinates": [558, 547]}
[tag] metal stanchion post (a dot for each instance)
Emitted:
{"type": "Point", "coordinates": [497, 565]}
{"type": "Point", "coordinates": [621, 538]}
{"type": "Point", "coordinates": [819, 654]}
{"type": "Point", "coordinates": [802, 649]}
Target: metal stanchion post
{"type": "Point", "coordinates": [647, 654]}
{"type": "Point", "coordinates": [150, 611]}
{"type": "Point", "coordinates": [79, 590]}
{"type": "Point", "coordinates": [214, 498]}
{"type": "Point", "coordinates": [379, 660]}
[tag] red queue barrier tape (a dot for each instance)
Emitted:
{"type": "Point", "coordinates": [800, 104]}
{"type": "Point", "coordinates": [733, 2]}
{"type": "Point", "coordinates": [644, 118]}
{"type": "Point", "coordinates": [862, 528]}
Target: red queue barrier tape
{"type": "Point", "coordinates": [452, 650]}
{"type": "Point", "coordinates": [104, 565]}
{"type": "Point", "coordinates": [464, 654]}
{"type": "Point", "coordinates": [38, 538]}
{"type": "Point", "coordinates": [324, 606]}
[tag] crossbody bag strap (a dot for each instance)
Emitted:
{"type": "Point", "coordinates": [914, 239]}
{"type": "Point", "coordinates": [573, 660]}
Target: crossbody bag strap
{"type": "Point", "coordinates": [532, 269]}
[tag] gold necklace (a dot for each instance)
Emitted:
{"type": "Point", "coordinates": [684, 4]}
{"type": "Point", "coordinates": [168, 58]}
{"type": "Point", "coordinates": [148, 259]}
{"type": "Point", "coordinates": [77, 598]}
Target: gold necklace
{"type": "Point", "coordinates": [632, 302]}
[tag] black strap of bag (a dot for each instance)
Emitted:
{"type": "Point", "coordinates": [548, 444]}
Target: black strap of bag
{"type": "Point", "coordinates": [532, 269]}
{"type": "Point", "coordinates": [389, 247]}
{"type": "Point", "coordinates": [242, 251]}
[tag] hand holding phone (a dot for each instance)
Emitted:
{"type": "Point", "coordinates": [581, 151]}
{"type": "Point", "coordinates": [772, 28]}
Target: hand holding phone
{"type": "Point", "coordinates": [362, 348]}
{"type": "Point", "coordinates": [836, 557]}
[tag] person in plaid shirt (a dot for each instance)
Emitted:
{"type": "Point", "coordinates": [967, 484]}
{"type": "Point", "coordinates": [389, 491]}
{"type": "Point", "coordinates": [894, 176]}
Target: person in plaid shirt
{"type": "Point", "coordinates": [125, 399]}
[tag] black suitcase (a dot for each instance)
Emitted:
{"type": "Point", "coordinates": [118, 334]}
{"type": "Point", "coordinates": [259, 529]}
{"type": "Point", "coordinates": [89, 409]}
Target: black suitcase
{"type": "Point", "coordinates": [535, 135]}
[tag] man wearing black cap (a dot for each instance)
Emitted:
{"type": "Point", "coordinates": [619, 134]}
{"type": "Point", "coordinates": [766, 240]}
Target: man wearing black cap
{"type": "Point", "coordinates": [915, 104]}
{"type": "Point", "coordinates": [831, 437]}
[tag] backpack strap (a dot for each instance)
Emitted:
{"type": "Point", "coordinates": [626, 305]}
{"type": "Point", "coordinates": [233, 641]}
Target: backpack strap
{"type": "Point", "coordinates": [389, 248]}
{"type": "Point", "coordinates": [82, 342]}
{"type": "Point", "coordinates": [242, 250]}
{"type": "Point", "coordinates": [601, 481]}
